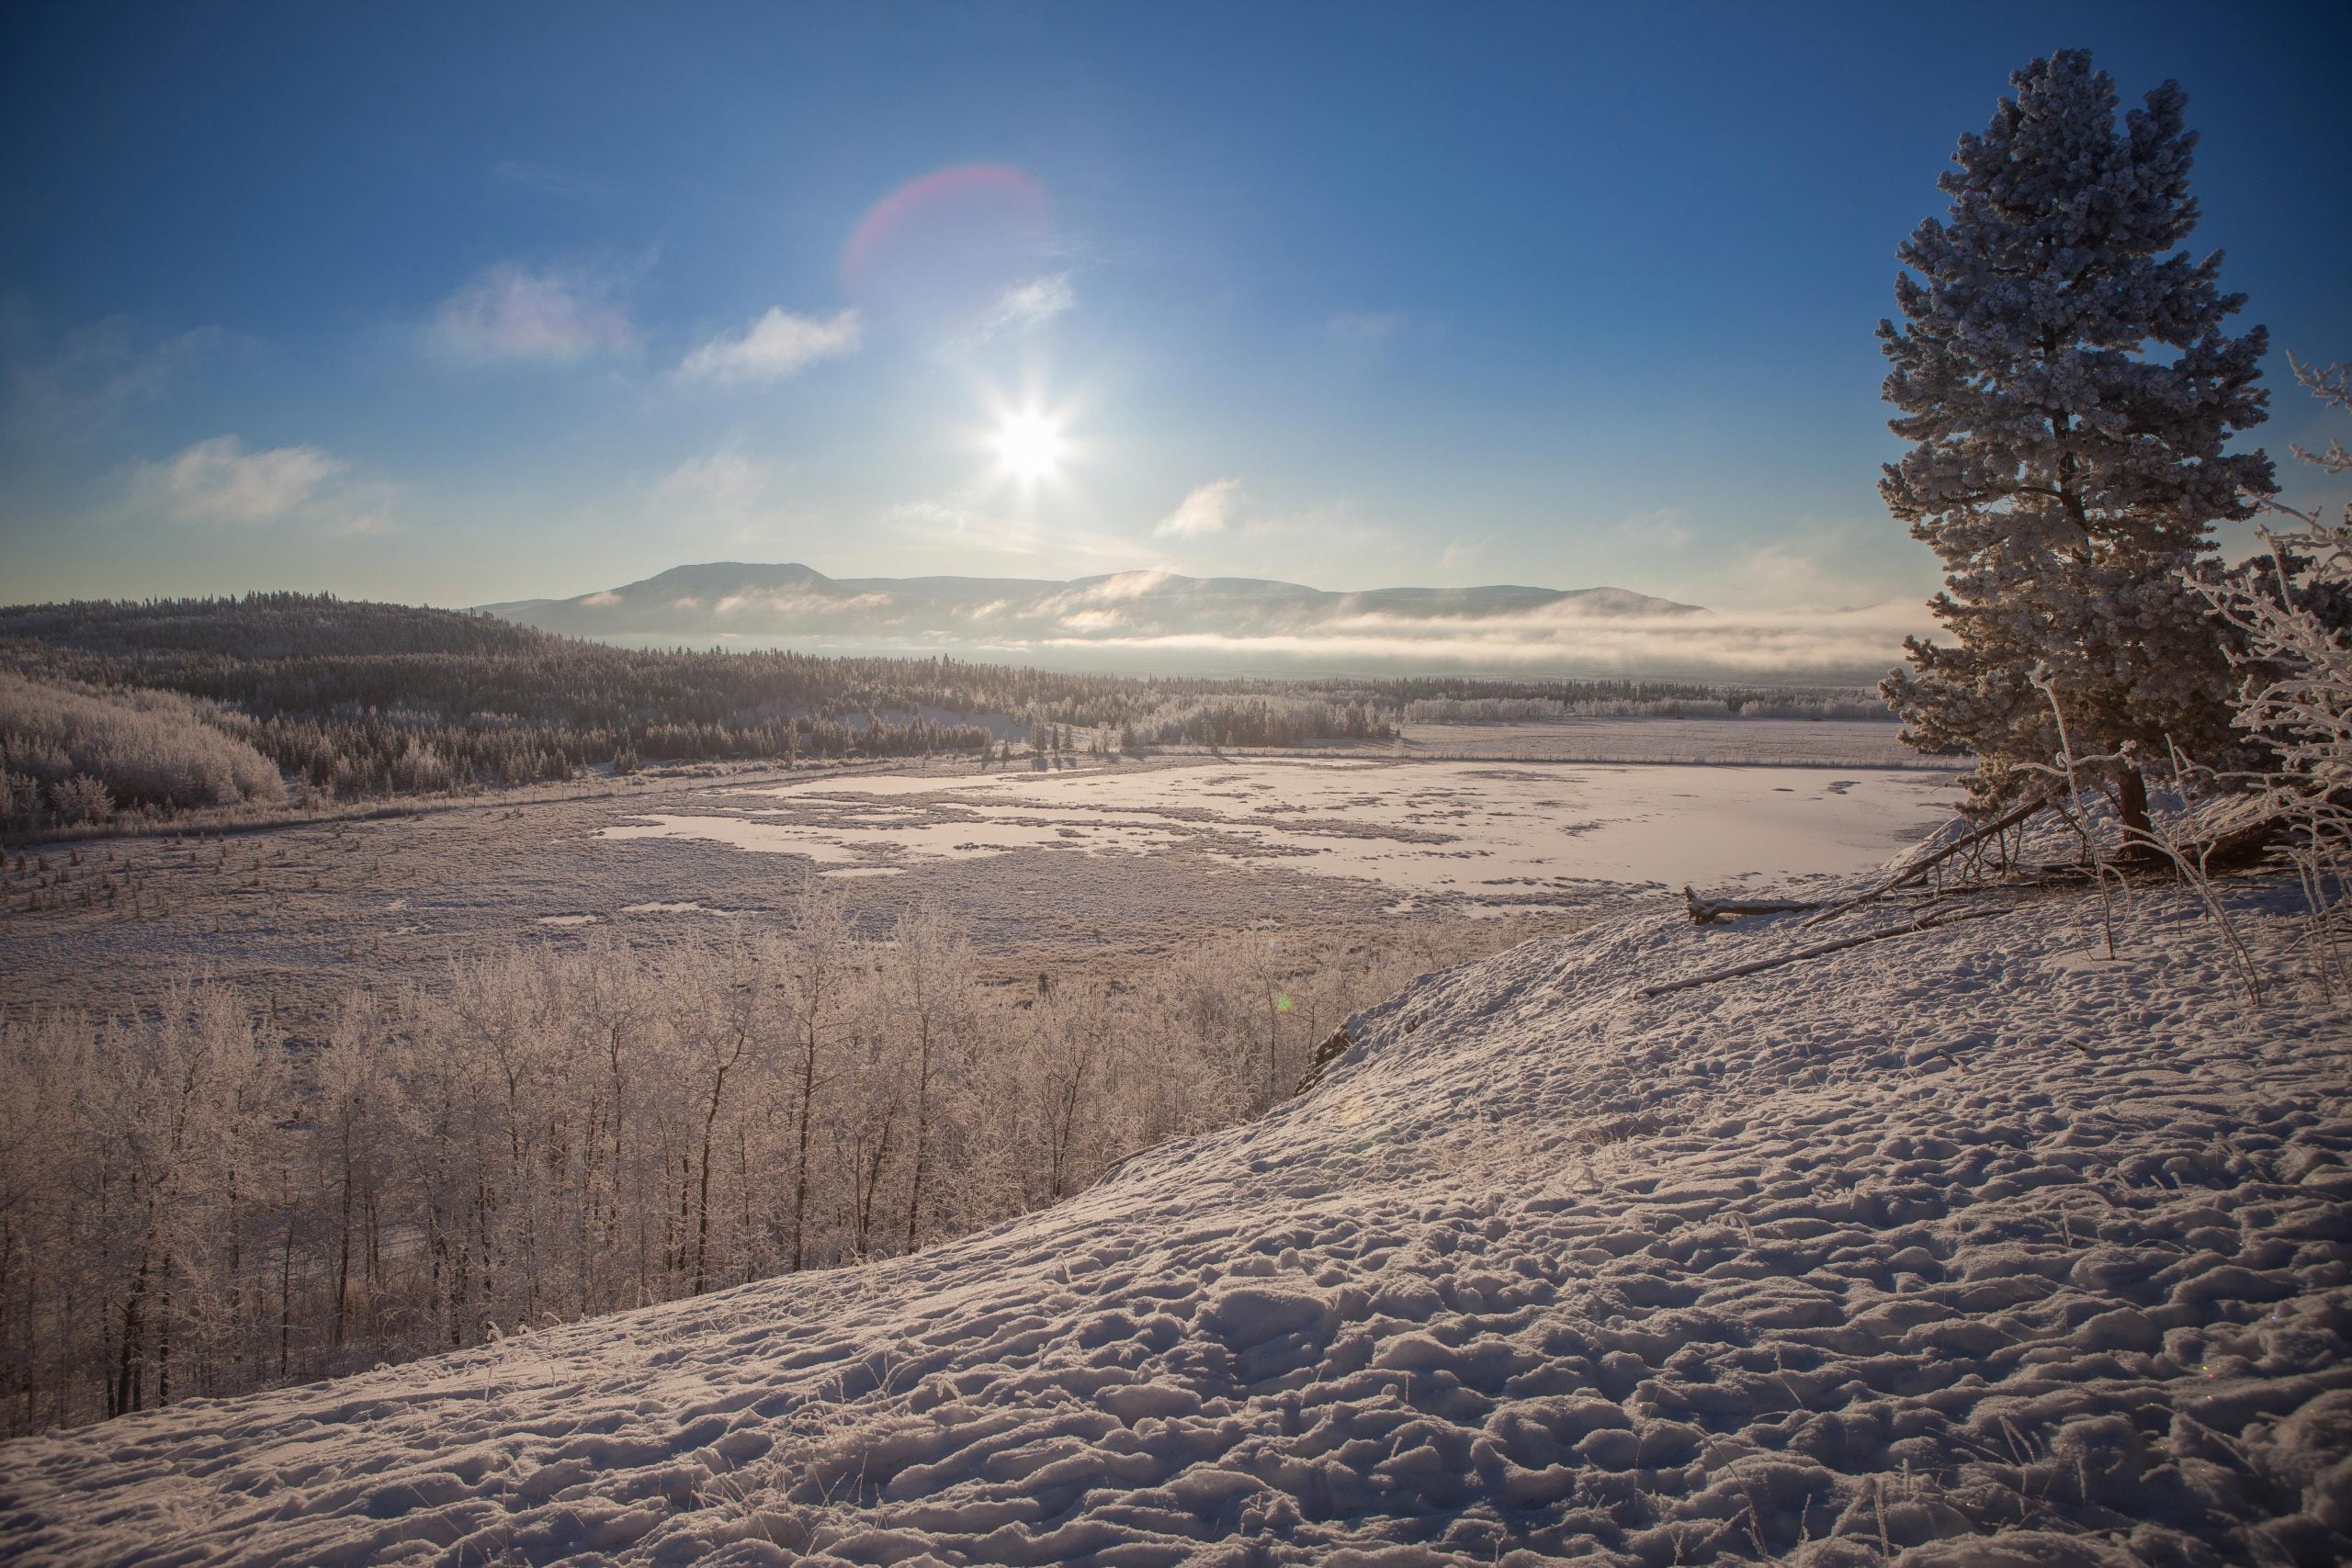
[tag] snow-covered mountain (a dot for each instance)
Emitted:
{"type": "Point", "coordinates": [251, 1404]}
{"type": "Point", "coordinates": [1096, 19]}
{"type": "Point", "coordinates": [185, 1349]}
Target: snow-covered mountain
{"type": "Point", "coordinates": [1972, 1233]}
{"type": "Point", "coordinates": [1175, 619]}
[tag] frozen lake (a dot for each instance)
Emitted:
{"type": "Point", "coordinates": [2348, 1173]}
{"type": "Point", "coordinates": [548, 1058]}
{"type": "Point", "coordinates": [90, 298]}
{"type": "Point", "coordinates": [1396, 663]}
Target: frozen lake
{"type": "Point", "coordinates": [1478, 832]}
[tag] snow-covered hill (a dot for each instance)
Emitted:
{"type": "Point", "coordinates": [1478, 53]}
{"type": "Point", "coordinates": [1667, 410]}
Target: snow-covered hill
{"type": "Point", "coordinates": [1161, 623]}
{"type": "Point", "coordinates": [752, 599]}
{"type": "Point", "coordinates": [1974, 1233]}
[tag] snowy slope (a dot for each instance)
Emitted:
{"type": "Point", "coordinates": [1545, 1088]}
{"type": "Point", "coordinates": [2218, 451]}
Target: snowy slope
{"type": "Point", "coordinates": [1966, 1234]}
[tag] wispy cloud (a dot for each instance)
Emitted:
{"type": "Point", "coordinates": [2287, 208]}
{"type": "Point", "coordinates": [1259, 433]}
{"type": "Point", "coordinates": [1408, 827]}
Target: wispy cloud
{"type": "Point", "coordinates": [549, 177]}
{"type": "Point", "coordinates": [217, 481]}
{"type": "Point", "coordinates": [1363, 329]}
{"type": "Point", "coordinates": [1824, 563]}
{"type": "Point", "coordinates": [729, 491]}
{"type": "Point", "coordinates": [951, 515]}
{"type": "Point", "coordinates": [513, 313]}
{"type": "Point", "coordinates": [91, 373]}
{"type": "Point", "coordinates": [773, 346]}
{"type": "Point", "coordinates": [1082, 607]}
{"type": "Point", "coordinates": [1464, 549]}
{"type": "Point", "coordinates": [1207, 509]}
{"type": "Point", "coordinates": [969, 520]}
{"type": "Point", "coordinates": [1667, 527]}
{"type": "Point", "coordinates": [1028, 305]}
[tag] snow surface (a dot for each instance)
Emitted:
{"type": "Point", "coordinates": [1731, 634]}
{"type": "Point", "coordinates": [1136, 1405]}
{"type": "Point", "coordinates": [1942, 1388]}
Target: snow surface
{"type": "Point", "coordinates": [1474, 831]}
{"type": "Point", "coordinates": [1972, 1233]}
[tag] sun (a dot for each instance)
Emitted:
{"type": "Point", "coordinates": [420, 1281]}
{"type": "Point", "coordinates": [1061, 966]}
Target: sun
{"type": "Point", "coordinates": [1030, 446]}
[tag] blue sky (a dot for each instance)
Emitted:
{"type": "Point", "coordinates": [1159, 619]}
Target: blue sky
{"type": "Point", "coordinates": [460, 304]}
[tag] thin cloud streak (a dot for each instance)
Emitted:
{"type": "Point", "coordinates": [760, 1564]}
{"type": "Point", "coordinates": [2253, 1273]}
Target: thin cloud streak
{"type": "Point", "coordinates": [219, 481]}
{"type": "Point", "coordinates": [725, 490]}
{"type": "Point", "coordinates": [550, 178]}
{"type": "Point", "coordinates": [511, 313]}
{"type": "Point", "coordinates": [773, 346]}
{"type": "Point", "coordinates": [1028, 306]}
{"type": "Point", "coordinates": [1362, 330]}
{"type": "Point", "coordinates": [93, 372]}
{"type": "Point", "coordinates": [1206, 508]}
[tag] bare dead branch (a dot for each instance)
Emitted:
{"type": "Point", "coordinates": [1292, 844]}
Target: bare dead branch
{"type": "Point", "coordinates": [1924, 922]}
{"type": "Point", "coordinates": [1919, 869]}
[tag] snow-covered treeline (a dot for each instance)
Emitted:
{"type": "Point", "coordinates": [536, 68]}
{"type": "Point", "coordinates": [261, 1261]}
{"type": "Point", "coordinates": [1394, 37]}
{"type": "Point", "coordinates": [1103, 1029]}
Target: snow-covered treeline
{"type": "Point", "coordinates": [1259, 721]}
{"type": "Point", "coordinates": [192, 1206]}
{"type": "Point", "coordinates": [1856, 704]}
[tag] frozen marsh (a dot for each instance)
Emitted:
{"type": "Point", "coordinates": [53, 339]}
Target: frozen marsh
{"type": "Point", "coordinates": [1485, 834]}
{"type": "Point", "coordinates": [1046, 867]}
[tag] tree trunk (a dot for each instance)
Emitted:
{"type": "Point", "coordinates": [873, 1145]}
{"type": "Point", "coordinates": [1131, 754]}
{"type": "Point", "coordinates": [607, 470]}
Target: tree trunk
{"type": "Point", "coordinates": [126, 1396]}
{"type": "Point", "coordinates": [800, 1152]}
{"type": "Point", "coordinates": [702, 1194]}
{"type": "Point", "coordinates": [870, 1181]}
{"type": "Point", "coordinates": [286, 1295]}
{"type": "Point", "coordinates": [2132, 810]}
{"type": "Point", "coordinates": [343, 1258]}
{"type": "Point", "coordinates": [163, 1338]}
{"type": "Point", "coordinates": [236, 1288]}
{"type": "Point", "coordinates": [923, 1137]}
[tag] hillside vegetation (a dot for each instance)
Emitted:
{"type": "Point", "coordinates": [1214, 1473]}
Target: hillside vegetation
{"type": "Point", "coordinates": [74, 755]}
{"type": "Point", "coordinates": [361, 699]}
{"type": "Point", "coordinates": [536, 1135]}
{"type": "Point", "coordinates": [356, 699]}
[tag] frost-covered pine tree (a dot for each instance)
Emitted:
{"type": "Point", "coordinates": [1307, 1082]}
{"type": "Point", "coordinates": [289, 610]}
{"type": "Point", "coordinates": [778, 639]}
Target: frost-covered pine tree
{"type": "Point", "coordinates": [2064, 374]}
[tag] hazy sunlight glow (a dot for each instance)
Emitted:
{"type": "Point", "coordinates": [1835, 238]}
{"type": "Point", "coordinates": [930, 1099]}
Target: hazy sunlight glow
{"type": "Point", "coordinates": [1029, 446]}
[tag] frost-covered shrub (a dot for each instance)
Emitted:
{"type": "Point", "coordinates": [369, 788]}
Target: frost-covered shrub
{"type": "Point", "coordinates": [138, 748]}
{"type": "Point", "coordinates": [81, 799]}
{"type": "Point", "coordinates": [1261, 721]}
{"type": "Point", "coordinates": [2289, 602]}
{"type": "Point", "coordinates": [1864, 709]}
{"type": "Point", "coordinates": [541, 1132]}
{"type": "Point", "coordinates": [2292, 606]}
{"type": "Point", "coordinates": [19, 796]}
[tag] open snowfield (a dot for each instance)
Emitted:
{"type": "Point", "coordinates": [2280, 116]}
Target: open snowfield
{"type": "Point", "coordinates": [1970, 1234]}
{"type": "Point", "coordinates": [1476, 832]}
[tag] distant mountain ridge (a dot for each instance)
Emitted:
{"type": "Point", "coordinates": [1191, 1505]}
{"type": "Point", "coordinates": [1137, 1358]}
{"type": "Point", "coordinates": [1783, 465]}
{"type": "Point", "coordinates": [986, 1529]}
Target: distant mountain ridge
{"type": "Point", "coordinates": [754, 600]}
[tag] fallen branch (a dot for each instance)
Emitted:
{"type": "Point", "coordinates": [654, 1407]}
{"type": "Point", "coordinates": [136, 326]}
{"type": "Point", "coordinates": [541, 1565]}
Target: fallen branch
{"type": "Point", "coordinates": [1924, 922]}
{"type": "Point", "coordinates": [1707, 911]}
{"type": "Point", "coordinates": [1919, 869]}
{"type": "Point", "coordinates": [2238, 848]}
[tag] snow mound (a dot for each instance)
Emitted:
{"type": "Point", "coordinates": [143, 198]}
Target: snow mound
{"type": "Point", "coordinates": [1974, 1233]}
